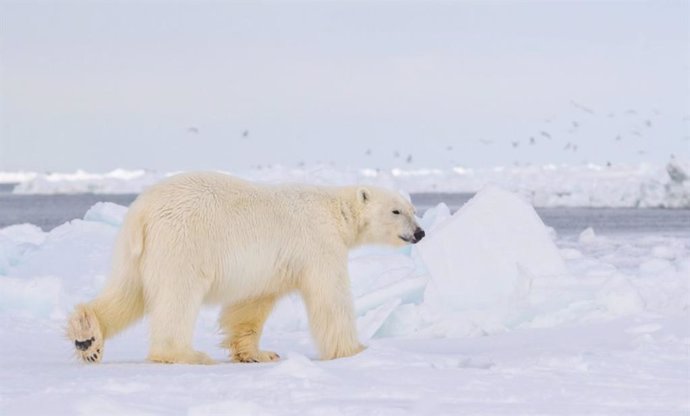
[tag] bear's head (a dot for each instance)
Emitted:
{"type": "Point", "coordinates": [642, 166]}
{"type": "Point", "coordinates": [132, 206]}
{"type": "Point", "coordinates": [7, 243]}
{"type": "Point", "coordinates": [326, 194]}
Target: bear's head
{"type": "Point", "coordinates": [386, 217]}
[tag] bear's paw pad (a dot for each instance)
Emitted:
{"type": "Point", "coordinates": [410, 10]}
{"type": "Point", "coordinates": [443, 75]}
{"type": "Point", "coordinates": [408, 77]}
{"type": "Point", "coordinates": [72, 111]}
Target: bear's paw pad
{"type": "Point", "coordinates": [83, 329]}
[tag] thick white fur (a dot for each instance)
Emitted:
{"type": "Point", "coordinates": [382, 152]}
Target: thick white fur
{"type": "Point", "coordinates": [210, 238]}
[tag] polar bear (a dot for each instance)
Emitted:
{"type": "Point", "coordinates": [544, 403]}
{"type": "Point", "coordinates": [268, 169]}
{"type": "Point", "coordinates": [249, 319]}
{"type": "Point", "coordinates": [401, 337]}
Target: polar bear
{"type": "Point", "coordinates": [207, 237]}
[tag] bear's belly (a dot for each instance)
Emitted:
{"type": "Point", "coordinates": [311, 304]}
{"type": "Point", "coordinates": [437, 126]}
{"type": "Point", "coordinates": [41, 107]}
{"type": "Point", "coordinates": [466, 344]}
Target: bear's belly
{"type": "Point", "coordinates": [251, 280]}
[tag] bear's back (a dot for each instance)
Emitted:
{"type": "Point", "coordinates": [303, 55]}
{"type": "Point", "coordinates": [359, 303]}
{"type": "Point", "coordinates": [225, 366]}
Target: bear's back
{"type": "Point", "coordinates": [207, 199]}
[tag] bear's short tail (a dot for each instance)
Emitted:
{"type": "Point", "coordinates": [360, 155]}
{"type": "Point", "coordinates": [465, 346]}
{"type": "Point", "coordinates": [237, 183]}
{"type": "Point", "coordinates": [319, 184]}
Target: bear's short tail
{"type": "Point", "coordinates": [122, 301]}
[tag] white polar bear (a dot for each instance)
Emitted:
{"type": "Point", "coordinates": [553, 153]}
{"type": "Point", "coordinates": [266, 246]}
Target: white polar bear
{"type": "Point", "coordinates": [210, 238]}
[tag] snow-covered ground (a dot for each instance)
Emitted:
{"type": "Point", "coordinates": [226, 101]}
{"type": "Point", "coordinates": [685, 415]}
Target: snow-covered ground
{"type": "Point", "coordinates": [492, 314]}
{"type": "Point", "coordinates": [643, 185]}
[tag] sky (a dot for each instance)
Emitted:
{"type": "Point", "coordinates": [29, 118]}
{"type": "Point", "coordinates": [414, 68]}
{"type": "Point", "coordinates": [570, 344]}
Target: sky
{"type": "Point", "coordinates": [230, 85]}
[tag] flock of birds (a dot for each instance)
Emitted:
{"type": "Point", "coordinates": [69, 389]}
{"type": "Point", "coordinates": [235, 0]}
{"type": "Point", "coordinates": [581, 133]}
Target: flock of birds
{"type": "Point", "coordinates": [636, 130]}
{"type": "Point", "coordinates": [575, 125]}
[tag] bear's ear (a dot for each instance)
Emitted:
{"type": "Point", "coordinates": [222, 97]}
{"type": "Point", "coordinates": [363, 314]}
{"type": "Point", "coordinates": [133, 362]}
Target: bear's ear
{"type": "Point", "coordinates": [363, 195]}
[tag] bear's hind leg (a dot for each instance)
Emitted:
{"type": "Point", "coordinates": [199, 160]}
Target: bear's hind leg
{"type": "Point", "coordinates": [120, 305]}
{"type": "Point", "coordinates": [173, 310]}
{"type": "Point", "coordinates": [243, 323]}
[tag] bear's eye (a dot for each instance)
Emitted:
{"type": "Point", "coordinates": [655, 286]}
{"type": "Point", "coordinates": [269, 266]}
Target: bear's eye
{"type": "Point", "coordinates": [396, 212]}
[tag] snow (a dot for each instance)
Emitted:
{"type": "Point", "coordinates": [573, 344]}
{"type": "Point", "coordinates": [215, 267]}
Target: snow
{"type": "Point", "coordinates": [119, 181]}
{"type": "Point", "coordinates": [17, 177]}
{"type": "Point", "coordinates": [480, 255]}
{"type": "Point", "coordinates": [589, 185]}
{"type": "Point", "coordinates": [587, 324]}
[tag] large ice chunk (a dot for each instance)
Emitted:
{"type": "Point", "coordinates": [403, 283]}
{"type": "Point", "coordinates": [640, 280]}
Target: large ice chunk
{"type": "Point", "coordinates": [106, 212]}
{"type": "Point", "coordinates": [488, 251]}
{"type": "Point", "coordinates": [15, 242]}
{"type": "Point", "coordinates": [37, 297]}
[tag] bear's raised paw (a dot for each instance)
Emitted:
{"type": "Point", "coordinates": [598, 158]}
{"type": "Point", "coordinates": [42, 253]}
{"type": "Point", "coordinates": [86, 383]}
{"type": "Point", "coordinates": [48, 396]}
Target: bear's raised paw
{"type": "Point", "coordinates": [84, 330]}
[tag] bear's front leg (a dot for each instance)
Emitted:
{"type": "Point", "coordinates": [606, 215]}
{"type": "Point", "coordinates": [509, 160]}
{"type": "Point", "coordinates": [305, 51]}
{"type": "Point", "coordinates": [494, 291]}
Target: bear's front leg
{"type": "Point", "coordinates": [331, 313]}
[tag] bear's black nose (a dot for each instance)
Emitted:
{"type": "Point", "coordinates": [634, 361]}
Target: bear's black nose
{"type": "Point", "coordinates": [418, 234]}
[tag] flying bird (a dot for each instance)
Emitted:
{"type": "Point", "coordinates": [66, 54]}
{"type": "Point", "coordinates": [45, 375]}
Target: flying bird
{"type": "Point", "coordinates": [245, 134]}
{"type": "Point", "coordinates": [192, 130]}
{"type": "Point", "coordinates": [581, 107]}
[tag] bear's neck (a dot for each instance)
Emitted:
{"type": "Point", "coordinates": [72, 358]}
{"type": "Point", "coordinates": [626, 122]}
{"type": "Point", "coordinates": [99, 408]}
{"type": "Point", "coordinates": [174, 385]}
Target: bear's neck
{"type": "Point", "coordinates": [351, 224]}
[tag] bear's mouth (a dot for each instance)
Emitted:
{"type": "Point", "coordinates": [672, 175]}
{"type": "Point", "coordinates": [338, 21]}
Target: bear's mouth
{"type": "Point", "coordinates": [413, 239]}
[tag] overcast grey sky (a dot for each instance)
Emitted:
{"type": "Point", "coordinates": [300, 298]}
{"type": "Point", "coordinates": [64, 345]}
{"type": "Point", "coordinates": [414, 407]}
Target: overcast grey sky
{"type": "Point", "coordinates": [152, 84]}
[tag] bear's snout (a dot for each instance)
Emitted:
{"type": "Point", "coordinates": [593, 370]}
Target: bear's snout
{"type": "Point", "coordinates": [418, 235]}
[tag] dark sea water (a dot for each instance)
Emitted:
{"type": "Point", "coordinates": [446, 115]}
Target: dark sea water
{"type": "Point", "coordinates": [49, 211]}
